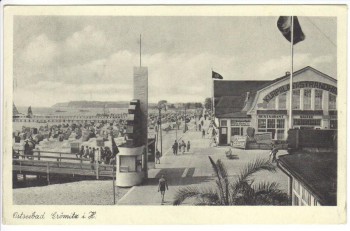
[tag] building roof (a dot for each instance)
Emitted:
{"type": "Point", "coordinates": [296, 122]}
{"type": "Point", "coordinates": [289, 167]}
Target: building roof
{"type": "Point", "coordinates": [316, 171]}
{"type": "Point", "coordinates": [230, 96]}
{"type": "Point", "coordinates": [236, 88]}
{"type": "Point", "coordinates": [286, 76]}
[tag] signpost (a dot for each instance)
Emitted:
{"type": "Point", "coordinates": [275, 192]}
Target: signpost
{"type": "Point", "coordinates": [239, 141]}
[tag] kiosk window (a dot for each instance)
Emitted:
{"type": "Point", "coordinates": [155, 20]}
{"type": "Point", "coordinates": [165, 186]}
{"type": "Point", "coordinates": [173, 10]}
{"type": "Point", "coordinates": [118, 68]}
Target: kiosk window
{"type": "Point", "coordinates": [127, 164]}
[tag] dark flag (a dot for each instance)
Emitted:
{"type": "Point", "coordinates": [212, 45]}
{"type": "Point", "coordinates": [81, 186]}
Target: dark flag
{"type": "Point", "coordinates": [115, 149]}
{"type": "Point", "coordinates": [284, 24]}
{"type": "Point", "coordinates": [215, 75]}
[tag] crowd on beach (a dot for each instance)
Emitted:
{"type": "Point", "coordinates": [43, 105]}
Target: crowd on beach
{"type": "Point", "coordinates": [100, 155]}
{"type": "Point", "coordinates": [65, 131]}
{"type": "Point", "coordinates": [82, 132]}
{"type": "Point", "coordinates": [171, 119]}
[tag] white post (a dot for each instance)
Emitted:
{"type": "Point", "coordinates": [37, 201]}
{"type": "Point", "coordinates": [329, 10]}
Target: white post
{"type": "Point", "coordinates": [213, 100]}
{"type": "Point", "coordinates": [291, 78]}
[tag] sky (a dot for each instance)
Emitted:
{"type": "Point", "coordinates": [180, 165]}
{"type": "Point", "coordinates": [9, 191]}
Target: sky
{"type": "Point", "coordinates": [65, 58]}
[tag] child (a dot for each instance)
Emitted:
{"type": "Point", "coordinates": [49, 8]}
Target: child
{"type": "Point", "coordinates": [188, 146]}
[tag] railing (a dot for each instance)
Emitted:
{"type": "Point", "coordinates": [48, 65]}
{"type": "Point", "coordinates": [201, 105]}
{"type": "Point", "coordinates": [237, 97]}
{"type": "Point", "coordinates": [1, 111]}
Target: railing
{"type": "Point", "coordinates": [20, 152]}
{"type": "Point", "coordinates": [69, 165]}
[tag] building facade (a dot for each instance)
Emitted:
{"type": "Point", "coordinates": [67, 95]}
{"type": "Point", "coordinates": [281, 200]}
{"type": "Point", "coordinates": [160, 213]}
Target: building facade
{"type": "Point", "coordinates": [264, 105]}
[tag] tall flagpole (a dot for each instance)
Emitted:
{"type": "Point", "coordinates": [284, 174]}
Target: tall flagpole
{"type": "Point", "coordinates": [291, 78]}
{"type": "Point", "coordinates": [212, 98]}
{"type": "Point", "coordinates": [140, 50]}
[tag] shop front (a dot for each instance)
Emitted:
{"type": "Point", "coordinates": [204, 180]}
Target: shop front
{"type": "Point", "coordinates": [274, 124]}
{"type": "Point", "coordinates": [266, 108]}
{"type": "Point", "coordinates": [232, 127]}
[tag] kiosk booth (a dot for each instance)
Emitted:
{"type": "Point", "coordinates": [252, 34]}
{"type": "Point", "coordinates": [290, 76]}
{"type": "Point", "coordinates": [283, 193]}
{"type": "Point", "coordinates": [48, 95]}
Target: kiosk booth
{"type": "Point", "coordinates": [129, 166]}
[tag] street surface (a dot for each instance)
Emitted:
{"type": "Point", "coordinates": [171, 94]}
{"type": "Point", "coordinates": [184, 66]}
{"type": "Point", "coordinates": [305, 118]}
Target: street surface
{"type": "Point", "coordinates": [194, 168]}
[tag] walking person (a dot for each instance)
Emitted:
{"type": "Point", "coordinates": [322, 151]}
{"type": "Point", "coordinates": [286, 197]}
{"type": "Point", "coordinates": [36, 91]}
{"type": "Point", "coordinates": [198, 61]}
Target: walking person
{"type": "Point", "coordinates": [175, 148]}
{"type": "Point", "coordinates": [92, 157]}
{"type": "Point", "coordinates": [188, 146]}
{"type": "Point", "coordinates": [86, 152]}
{"type": "Point", "coordinates": [27, 149]}
{"type": "Point", "coordinates": [179, 147]}
{"type": "Point", "coordinates": [81, 152]}
{"type": "Point", "coordinates": [103, 155]}
{"type": "Point", "coordinates": [108, 154]}
{"type": "Point", "coordinates": [203, 133]}
{"type": "Point", "coordinates": [199, 127]}
{"type": "Point", "coordinates": [273, 153]}
{"type": "Point", "coordinates": [162, 185]}
{"type": "Point", "coordinates": [213, 132]}
{"type": "Point", "coordinates": [183, 144]}
{"type": "Point", "coordinates": [213, 142]}
{"type": "Point", "coordinates": [157, 157]}
{"type": "Point", "coordinates": [98, 156]}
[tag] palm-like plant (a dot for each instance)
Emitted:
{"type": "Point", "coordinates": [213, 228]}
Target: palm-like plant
{"type": "Point", "coordinates": [240, 191]}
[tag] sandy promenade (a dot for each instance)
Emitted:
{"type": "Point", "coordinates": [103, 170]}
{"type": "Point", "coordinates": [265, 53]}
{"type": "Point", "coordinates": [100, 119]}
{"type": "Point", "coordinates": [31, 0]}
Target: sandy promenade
{"type": "Point", "coordinates": [88, 192]}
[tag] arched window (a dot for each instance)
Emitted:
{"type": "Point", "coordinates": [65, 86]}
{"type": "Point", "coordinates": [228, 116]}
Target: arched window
{"type": "Point", "coordinates": [282, 101]}
{"type": "Point", "coordinates": [332, 102]}
{"type": "Point", "coordinates": [318, 99]}
{"type": "Point", "coordinates": [296, 99]}
{"type": "Point", "coordinates": [272, 104]}
{"type": "Point", "coordinates": [307, 99]}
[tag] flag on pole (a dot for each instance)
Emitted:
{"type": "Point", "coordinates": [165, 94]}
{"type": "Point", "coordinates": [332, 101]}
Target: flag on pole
{"type": "Point", "coordinates": [284, 24]}
{"type": "Point", "coordinates": [215, 75]}
{"type": "Point", "coordinates": [115, 149]}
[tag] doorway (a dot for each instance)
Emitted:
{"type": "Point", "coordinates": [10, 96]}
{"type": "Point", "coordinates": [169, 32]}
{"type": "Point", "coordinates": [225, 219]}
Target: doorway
{"type": "Point", "coordinates": [223, 135]}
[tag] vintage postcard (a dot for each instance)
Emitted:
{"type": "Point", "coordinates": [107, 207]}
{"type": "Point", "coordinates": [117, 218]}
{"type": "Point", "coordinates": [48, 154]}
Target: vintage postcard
{"type": "Point", "coordinates": [174, 114]}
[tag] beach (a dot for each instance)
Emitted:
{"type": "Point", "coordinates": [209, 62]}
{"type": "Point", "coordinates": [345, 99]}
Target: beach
{"type": "Point", "coordinates": [86, 192]}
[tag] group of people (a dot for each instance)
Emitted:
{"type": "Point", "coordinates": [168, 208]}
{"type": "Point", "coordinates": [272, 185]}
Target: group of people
{"type": "Point", "coordinates": [177, 147]}
{"type": "Point", "coordinates": [97, 155]}
{"type": "Point", "coordinates": [181, 146]}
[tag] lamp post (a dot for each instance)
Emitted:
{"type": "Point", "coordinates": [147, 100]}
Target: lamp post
{"type": "Point", "coordinates": [176, 126]}
{"type": "Point", "coordinates": [160, 129]}
{"type": "Point", "coordinates": [185, 129]}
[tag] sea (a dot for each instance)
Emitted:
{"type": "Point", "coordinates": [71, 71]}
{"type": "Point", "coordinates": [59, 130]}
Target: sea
{"type": "Point", "coordinates": [66, 111]}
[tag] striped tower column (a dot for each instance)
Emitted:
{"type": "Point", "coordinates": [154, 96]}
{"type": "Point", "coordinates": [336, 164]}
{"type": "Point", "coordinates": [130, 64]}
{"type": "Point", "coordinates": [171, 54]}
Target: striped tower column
{"type": "Point", "coordinates": [141, 93]}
